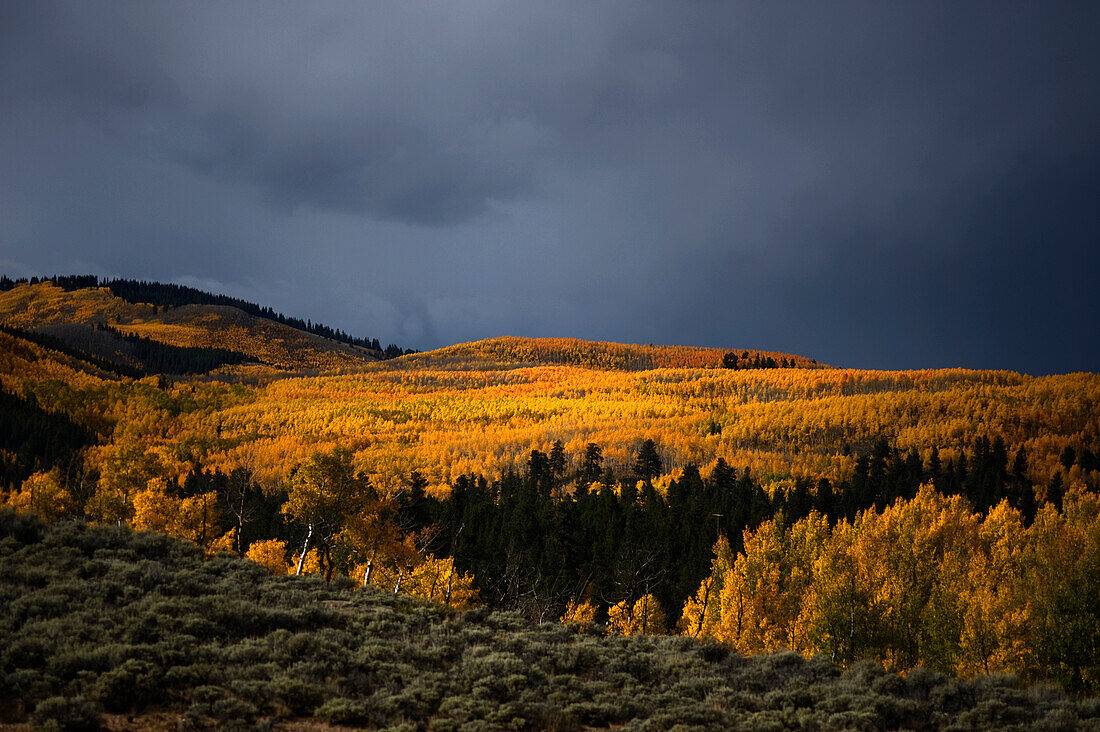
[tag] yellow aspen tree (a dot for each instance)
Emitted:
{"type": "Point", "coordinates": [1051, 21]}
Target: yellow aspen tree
{"type": "Point", "coordinates": [702, 613]}
{"type": "Point", "coordinates": [840, 612]}
{"type": "Point", "coordinates": [270, 553]}
{"type": "Point", "coordinates": [644, 616]}
{"type": "Point", "coordinates": [43, 495]}
{"type": "Point", "coordinates": [579, 613]}
{"type": "Point", "coordinates": [154, 509]}
{"type": "Point", "coordinates": [908, 557]}
{"type": "Point", "coordinates": [372, 536]}
{"type": "Point", "coordinates": [127, 470]}
{"type": "Point", "coordinates": [197, 519]}
{"type": "Point", "coordinates": [620, 618]}
{"type": "Point", "coordinates": [996, 615]}
{"type": "Point", "coordinates": [322, 494]}
{"type": "Point", "coordinates": [1064, 586]}
{"type": "Point", "coordinates": [436, 579]}
{"type": "Point", "coordinates": [648, 617]}
{"type": "Point", "coordinates": [762, 600]}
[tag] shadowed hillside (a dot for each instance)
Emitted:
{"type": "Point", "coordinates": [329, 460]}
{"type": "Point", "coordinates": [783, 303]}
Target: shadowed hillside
{"type": "Point", "coordinates": [105, 626]}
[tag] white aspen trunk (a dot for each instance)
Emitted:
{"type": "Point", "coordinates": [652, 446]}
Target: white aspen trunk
{"type": "Point", "coordinates": [400, 576]}
{"type": "Point", "coordinates": [305, 548]}
{"type": "Point", "coordinates": [370, 568]}
{"type": "Point", "coordinates": [852, 623]}
{"type": "Point", "coordinates": [239, 528]}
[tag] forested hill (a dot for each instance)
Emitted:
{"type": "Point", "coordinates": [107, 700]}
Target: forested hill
{"type": "Point", "coordinates": [97, 321]}
{"type": "Point", "coordinates": [170, 295]}
{"type": "Point", "coordinates": [512, 352]}
{"type": "Point", "coordinates": [93, 316]}
{"type": "Point", "coordinates": [106, 627]}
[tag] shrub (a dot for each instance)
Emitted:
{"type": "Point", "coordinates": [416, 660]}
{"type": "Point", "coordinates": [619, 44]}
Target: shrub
{"type": "Point", "coordinates": [299, 697]}
{"type": "Point", "coordinates": [129, 686]}
{"type": "Point", "coordinates": [76, 714]}
{"type": "Point", "coordinates": [343, 711]}
{"type": "Point", "coordinates": [24, 528]}
{"type": "Point", "coordinates": [233, 709]}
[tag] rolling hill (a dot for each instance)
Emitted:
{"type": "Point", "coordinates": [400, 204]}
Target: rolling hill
{"type": "Point", "coordinates": [482, 407]}
{"type": "Point", "coordinates": [512, 352]}
{"type": "Point", "coordinates": [565, 478]}
{"type": "Point", "coordinates": [48, 308]}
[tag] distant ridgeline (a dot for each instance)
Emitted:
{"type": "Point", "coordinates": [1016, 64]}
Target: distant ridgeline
{"type": "Point", "coordinates": [170, 295]}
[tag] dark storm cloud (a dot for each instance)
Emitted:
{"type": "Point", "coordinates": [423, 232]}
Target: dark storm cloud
{"type": "Point", "coordinates": [867, 183]}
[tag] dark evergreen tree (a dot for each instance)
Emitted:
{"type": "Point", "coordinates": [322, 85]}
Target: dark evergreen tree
{"type": "Point", "coordinates": [593, 463]}
{"type": "Point", "coordinates": [824, 501]}
{"type": "Point", "coordinates": [539, 471]}
{"type": "Point", "coordinates": [647, 466]}
{"type": "Point", "coordinates": [1087, 460]}
{"type": "Point", "coordinates": [934, 465]}
{"type": "Point", "coordinates": [557, 460]}
{"type": "Point", "coordinates": [413, 511]}
{"type": "Point", "coordinates": [1068, 458]}
{"type": "Point", "coordinates": [1056, 491]}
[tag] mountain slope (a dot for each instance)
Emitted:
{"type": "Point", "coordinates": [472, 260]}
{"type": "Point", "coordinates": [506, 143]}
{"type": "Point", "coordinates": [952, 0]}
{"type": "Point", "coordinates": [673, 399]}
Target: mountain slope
{"type": "Point", "coordinates": [100, 619]}
{"type": "Point", "coordinates": [513, 352]}
{"type": "Point", "coordinates": [48, 308]}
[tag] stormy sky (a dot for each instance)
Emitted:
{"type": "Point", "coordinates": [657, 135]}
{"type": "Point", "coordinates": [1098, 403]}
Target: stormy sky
{"type": "Point", "coordinates": [891, 185]}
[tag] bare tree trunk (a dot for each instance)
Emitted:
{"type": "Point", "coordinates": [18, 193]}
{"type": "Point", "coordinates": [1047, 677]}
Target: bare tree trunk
{"type": "Point", "coordinates": [740, 610]}
{"type": "Point", "coordinates": [400, 576]}
{"type": "Point", "coordinates": [330, 566]}
{"type": "Point", "coordinates": [703, 614]}
{"type": "Point", "coordinates": [305, 548]}
{"type": "Point", "coordinates": [451, 572]}
{"type": "Point", "coordinates": [205, 514]}
{"type": "Point", "coordinates": [450, 578]}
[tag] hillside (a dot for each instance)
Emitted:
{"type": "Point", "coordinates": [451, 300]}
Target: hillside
{"type": "Point", "coordinates": [561, 478]}
{"type": "Point", "coordinates": [511, 352]}
{"type": "Point", "coordinates": [482, 407]}
{"type": "Point", "coordinates": [105, 626]}
{"type": "Point", "coordinates": [51, 309]}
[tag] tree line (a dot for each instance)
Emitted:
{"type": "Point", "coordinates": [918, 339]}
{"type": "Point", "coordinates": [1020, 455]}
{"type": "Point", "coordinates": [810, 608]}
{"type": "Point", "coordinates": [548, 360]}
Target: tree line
{"type": "Point", "coordinates": [730, 360]}
{"type": "Point", "coordinates": [540, 539]}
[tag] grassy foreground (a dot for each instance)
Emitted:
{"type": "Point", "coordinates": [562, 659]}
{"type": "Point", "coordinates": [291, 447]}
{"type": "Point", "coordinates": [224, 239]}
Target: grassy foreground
{"type": "Point", "coordinates": [101, 626]}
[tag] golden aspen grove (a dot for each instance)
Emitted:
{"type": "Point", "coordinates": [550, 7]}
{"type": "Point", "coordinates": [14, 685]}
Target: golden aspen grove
{"type": "Point", "coordinates": [943, 519]}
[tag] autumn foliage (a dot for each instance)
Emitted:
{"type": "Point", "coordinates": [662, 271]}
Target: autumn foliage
{"type": "Point", "coordinates": [925, 583]}
{"type": "Point", "coordinates": [315, 458]}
